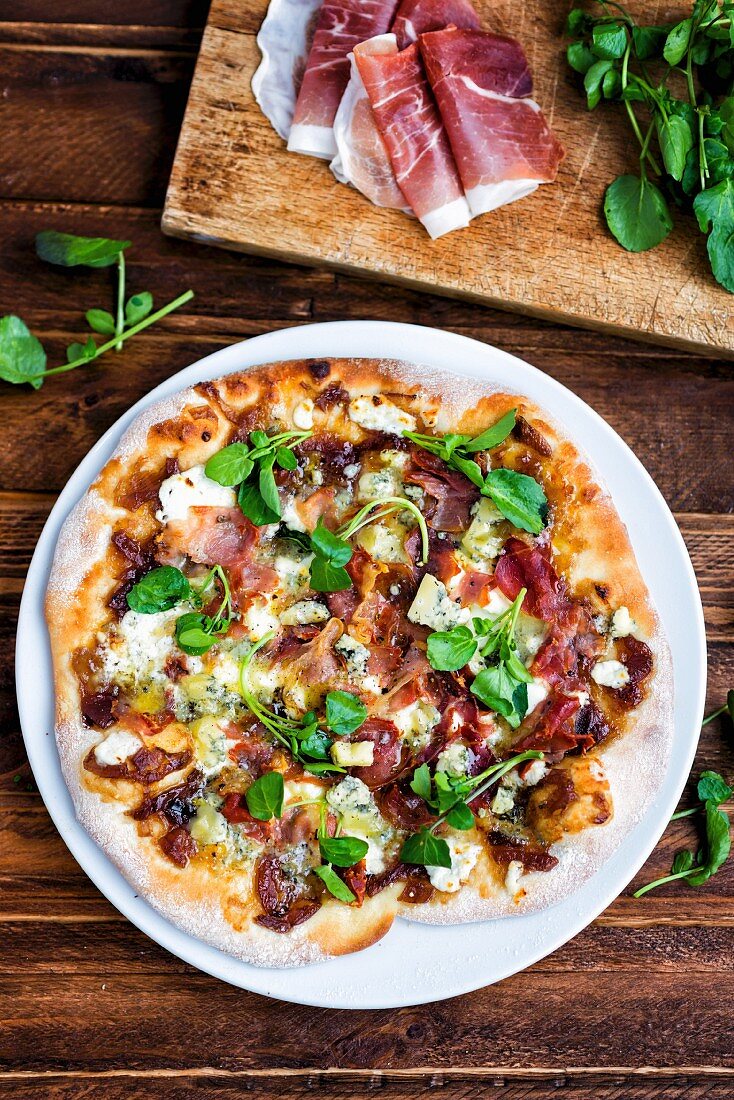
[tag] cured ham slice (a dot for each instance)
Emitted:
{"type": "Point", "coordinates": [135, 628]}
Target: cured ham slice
{"type": "Point", "coordinates": [284, 40]}
{"type": "Point", "coordinates": [501, 142]}
{"type": "Point", "coordinates": [414, 136]}
{"type": "Point", "coordinates": [362, 158]}
{"type": "Point", "coordinates": [341, 25]}
{"type": "Point", "coordinates": [415, 17]}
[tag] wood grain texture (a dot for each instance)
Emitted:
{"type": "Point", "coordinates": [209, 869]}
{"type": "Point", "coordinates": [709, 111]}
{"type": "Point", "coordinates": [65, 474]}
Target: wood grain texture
{"type": "Point", "coordinates": [234, 184]}
{"type": "Point", "coordinates": [640, 1004]}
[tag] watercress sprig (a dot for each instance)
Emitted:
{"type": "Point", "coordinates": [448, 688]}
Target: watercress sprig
{"type": "Point", "coordinates": [686, 141]}
{"type": "Point", "coordinates": [251, 469]}
{"type": "Point", "coordinates": [342, 851]}
{"type": "Point", "coordinates": [332, 551]}
{"type": "Point", "coordinates": [307, 742]}
{"type": "Point", "coordinates": [451, 798]}
{"type": "Point", "coordinates": [265, 796]}
{"type": "Point", "coordinates": [518, 497]}
{"type": "Point", "coordinates": [166, 587]}
{"type": "Point", "coordinates": [22, 356]}
{"type": "Point", "coordinates": [712, 790]}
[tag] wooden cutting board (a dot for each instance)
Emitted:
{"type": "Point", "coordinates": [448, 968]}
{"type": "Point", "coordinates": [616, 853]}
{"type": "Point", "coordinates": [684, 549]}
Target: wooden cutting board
{"type": "Point", "coordinates": [234, 184]}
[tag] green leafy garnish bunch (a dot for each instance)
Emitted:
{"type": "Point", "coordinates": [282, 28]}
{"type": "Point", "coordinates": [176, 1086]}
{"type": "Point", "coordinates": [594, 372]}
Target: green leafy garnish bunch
{"type": "Point", "coordinates": [22, 357]}
{"type": "Point", "coordinates": [304, 737]}
{"type": "Point", "coordinates": [451, 799]}
{"type": "Point", "coordinates": [250, 468]}
{"type": "Point", "coordinates": [518, 497]}
{"type": "Point", "coordinates": [166, 587]}
{"type": "Point", "coordinates": [503, 687]}
{"type": "Point", "coordinates": [675, 81]}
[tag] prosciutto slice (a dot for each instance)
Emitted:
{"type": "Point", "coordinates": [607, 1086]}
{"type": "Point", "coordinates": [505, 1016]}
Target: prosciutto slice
{"type": "Point", "coordinates": [414, 136]}
{"type": "Point", "coordinates": [341, 25]}
{"type": "Point", "coordinates": [415, 17]}
{"type": "Point", "coordinates": [501, 142]}
{"type": "Point", "coordinates": [284, 40]}
{"type": "Point", "coordinates": [362, 158]}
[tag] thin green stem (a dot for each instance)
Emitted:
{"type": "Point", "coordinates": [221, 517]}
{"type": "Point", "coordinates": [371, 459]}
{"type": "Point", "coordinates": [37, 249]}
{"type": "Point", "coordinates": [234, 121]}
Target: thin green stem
{"type": "Point", "coordinates": [662, 881]}
{"type": "Point", "coordinates": [488, 778]}
{"type": "Point", "coordinates": [390, 506]}
{"type": "Point", "coordinates": [120, 323]}
{"type": "Point", "coordinates": [715, 714]}
{"type": "Point", "coordinates": [686, 813]}
{"type": "Point", "coordinates": [157, 316]}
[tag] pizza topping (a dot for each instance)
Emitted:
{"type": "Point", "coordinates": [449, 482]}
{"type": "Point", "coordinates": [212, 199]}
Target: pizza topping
{"type": "Point", "coordinates": [463, 856]}
{"type": "Point", "coordinates": [191, 489]}
{"type": "Point", "coordinates": [370, 656]}
{"type": "Point", "coordinates": [611, 674]}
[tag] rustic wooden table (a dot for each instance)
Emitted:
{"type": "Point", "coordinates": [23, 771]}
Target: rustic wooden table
{"type": "Point", "coordinates": [641, 1003]}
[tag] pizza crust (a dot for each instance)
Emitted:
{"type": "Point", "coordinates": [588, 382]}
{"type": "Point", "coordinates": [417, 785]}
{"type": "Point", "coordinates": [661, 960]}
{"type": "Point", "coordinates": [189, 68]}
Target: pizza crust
{"type": "Point", "coordinates": [193, 425]}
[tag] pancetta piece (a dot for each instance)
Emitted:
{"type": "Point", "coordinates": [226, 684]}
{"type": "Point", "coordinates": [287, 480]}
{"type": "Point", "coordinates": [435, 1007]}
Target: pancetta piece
{"type": "Point", "coordinates": [502, 144]}
{"type": "Point", "coordinates": [415, 17]}
{"type": "Point", "coordinates": [362, 158]}
{"type": "Point", "coordinates": [341, 25]}
{"type": "Point", "coordinates": [284, 40]}
{"type": "Point", "coordinates": [416, 141]}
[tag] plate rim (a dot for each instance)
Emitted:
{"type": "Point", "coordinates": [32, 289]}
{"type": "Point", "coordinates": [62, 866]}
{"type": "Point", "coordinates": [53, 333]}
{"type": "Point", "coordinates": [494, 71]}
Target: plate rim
{"type": "Point", "coordinates": [101, 870]}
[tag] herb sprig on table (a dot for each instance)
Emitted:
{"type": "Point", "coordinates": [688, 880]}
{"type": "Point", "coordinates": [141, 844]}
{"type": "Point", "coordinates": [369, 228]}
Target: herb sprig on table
{"type": "Point", "coordinates": [518, 497]}
{"type": "Point", "coordinates": [675, 82]}
{"type": "Point", "coordinates": [712, 790]}
{"type": "Point", "coordinates": [22, 356]}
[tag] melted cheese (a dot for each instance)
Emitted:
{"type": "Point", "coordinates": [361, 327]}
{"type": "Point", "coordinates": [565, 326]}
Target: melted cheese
{"type": "Point", "coordinates": [464, 856]}
{"type": "Point", "coordinates": [611, 674]}
{"type": "Point", "coordinates": [117, 746]}
{"type": "Point", "coordinates": [377, 414]}
{"type": "Point", "coordinates": [191, 489]}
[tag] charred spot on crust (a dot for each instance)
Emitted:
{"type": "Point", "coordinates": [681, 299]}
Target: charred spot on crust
{"type": "Point", "coordinates": [602, 591]}
{"type": "Point", "coordinates": [319, 369]}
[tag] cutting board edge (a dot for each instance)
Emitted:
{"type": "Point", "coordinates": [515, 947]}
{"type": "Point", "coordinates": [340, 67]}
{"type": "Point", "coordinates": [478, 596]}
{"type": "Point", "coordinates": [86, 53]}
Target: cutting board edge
{"type": "Point", "coordinates": [178, 223]}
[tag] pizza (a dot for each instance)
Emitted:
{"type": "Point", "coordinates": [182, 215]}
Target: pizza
{"type": "Point", "coordinates": [338, 640]}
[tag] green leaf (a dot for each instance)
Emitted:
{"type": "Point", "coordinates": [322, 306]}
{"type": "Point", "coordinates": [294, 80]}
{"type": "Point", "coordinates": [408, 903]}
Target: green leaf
{"type": "Point", "coordinates": [592, 82]}
{"type": "Point", "coordinates": [343, 851]}
{"type": "Point", "coordinates": [193, 635]}
{"type": "Point", "coordinates": [611, 85]}
{"type": "Point", "coordinates": [713, 788]}
{"type": "Point", "coordinates": [231, 465]}
{"type": "Point", "coordinates": [648, 41]}
{"type": "Point", "coordinates": [514, 665]}
{"type": "Point", "coordinates": [636, 213]}
{"type": "Point", "coordinates": [101, 321]}
{"type": "Point", "coordinates": [449, 650]}
{"type": "Point", "coordinates": [254, 507]}
{"type": "Point", "coordinates": [322, 769]}
{"type": "Point", "coordinates": [267, 486]}
{"type": "Point", "coordinates": [730, 704]}
{"type": "Point", "coordinates": [501, 692]}
{"type": "Point", "coordinates": [70, 251]}
{"type": "Point", "coordinates": [718, 845]}
{"type": "Point", "coordinates": [726, 113]}
{"type": "Point", "coordinates": [345, 713]}
{"type": "Point", "coordinates": [495, 435]}
{"type": "Point", "coordinates": [328, 545]}
{"type": "Point", "coordinates": [460, 817]}
{"type": "Point", "coordinates": [675, 137]}
{"type": "Point", "coordinates": [421, 783]}
{"type": "Point", "coordinates": [76, 351]}
{"type": "Point", "coordinates": [676, 42]}
{"type": "Point", "coordinates": [286, 459]}
{"type": "Point", "coordinates": [714, 209]}
{"type": "Point", "coordinates": [265, 797]}
{"type": "Point", "coordinates": [138, 307]}
{"type": "Point", "coordinates": [683, 861]}
{"type": "Point", "coordinates": [469, 468]}
{"type": "Point", "coordinates": [326, 577]}
{"type": "Point", "coordinates": [334, 884]}
{"type": "Point", "coordinates": [22, 358]}
{"type": "Point", "coordinates": [609, 40]}
{"type": "Point", "coordinates": [159, 590]}
{"type": "Point", "coordinates": [580, 57]}
{"type": "Point", "coordinates": [576, 21]}
{"type": "Point", "coordinates": [426, 850]}
{"type": "Point", "coordinates": [519, 498]}
{"type": "Point", "coordinates": [316, 745]}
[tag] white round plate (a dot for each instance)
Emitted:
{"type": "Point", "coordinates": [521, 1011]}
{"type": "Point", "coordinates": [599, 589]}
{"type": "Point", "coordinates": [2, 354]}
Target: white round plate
{"type": "Point", "coordinates": [414, 963]}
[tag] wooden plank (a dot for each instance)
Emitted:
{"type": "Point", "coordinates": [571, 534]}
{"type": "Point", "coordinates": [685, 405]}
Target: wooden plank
{"type": "Point", "coordinates": [233, 184]}
{"type": "Point", "coordinates": [703, 1083]}
{"type": "Point", "coordinates": [538, 1018]}
{"type": "Point", "coordinates": [121, 154]}
{"type": "Point", "coordinates": [186, 14]}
